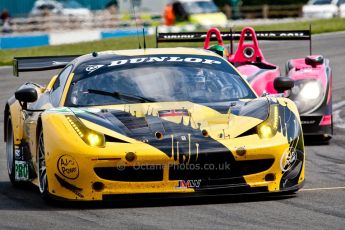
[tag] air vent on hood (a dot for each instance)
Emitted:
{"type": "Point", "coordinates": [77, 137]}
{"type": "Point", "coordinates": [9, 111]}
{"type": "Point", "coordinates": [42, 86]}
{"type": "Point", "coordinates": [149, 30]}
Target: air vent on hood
{"type": "Point", "coordinates": [131, 122]}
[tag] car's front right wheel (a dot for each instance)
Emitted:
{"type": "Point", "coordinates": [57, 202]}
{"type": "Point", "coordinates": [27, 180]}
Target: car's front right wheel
{"type": "Point", "coordinates": [10, 151]}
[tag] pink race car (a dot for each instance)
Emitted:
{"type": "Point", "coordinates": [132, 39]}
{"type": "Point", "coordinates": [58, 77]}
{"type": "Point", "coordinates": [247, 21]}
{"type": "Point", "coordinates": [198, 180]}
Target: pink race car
{"type": "Point", "coordinates": [312, 75]}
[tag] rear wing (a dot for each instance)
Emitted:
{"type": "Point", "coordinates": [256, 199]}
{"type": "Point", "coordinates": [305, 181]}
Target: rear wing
{"type": "Point", "coordinates": [279, 35]}
{"type": "Point", "coordinates": [41, 63]}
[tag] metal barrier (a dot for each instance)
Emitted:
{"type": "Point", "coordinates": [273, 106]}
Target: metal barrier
{"type": "Point", "coordinates": [271, 11]}
{"type": "Point", "coordinates": [98, 20]}
{"type": "Point", "coordinates": [105, 20]}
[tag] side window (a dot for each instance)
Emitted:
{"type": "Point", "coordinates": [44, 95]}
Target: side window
{"type": "Point", "coordinates": [59, 86]}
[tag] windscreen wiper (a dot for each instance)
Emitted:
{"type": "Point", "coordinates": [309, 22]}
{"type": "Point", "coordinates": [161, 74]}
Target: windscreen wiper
{"type": "Point", "coordinates": [121, 96]}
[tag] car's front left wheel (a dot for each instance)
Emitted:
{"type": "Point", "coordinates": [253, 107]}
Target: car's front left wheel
{"type": "Point", "coordinates": [42, 170]}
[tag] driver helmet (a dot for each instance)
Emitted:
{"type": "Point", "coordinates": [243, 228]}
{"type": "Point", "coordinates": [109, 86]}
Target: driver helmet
{"type": "Point", "coordinates": [200, 83]}
{"type": "Point", "coordinates": [218, 49]}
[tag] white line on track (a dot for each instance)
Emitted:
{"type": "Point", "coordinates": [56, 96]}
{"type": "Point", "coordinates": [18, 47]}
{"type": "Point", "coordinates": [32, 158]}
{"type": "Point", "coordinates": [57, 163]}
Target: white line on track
{"type": "Point", "coordinates": [338, 120]}
{"type": "Point", "coordinates": [338, 105]}
{"type": "Point", "coordinates": [318, 189]}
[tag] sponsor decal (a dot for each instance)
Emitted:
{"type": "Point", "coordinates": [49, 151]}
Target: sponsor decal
{"type": "Point", "coordinates": [234, 35]}
{"type": "Point", "coordinates": [77, 191]}
{"type": "Point", "coordinates": [193, 36]}
{"type": "Point", "coordinates": [21, 171]}
{"type": "Point", "coordinates": [163, 59]}
{"type": "Point", "coordinates": [307, 122]}
{"type": "Point", "coordinates": [281, 34]}
{"type": "Point", "coordinates": [68, 167]}
{"type": "Point", "coordinates": [288, 159]}
{"type": "Point", "coordinates": [189, 183]}
{"type": "Point", "coordinates": [184, 36]}
{"type": "Point", "coordinates": [183, 156]}
{"type": "Point", "coordinates": [92, 68]}
{"type": "Point", "coordinates": [173, 113]}
{"type": "Point", "coordinates": [17, 152]}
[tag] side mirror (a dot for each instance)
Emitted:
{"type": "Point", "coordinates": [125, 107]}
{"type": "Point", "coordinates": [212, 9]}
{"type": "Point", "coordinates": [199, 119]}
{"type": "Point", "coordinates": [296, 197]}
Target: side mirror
{"type": "Point", "coordinates": [283, 83]}
{"type": "Point", "coordinates": [314, 60]}
{"type": "Point", "coordinates": [25, 96]}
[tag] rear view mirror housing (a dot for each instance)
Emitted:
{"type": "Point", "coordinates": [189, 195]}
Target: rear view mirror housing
{"type": "Point", "coordinates": [314, 60]}
{"type": "Point", "coordinates": [25, 96]}
{"type": "Point", "coordinates": [282, 84]}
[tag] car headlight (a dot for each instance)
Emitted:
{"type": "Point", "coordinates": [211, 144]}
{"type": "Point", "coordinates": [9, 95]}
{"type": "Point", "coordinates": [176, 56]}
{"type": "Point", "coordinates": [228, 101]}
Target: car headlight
{"type": "Point", "coordinates": [269, 127]}
{"type": "Point", "coordinates": [90, 137]}
{"type": "Point", "coordinates": [307, 94]}
{"type": "Point", "coordinates": [310, 91]}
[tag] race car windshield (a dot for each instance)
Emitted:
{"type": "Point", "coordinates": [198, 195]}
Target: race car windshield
{"type": "Point", "coordinates": [322, 2]}
{"type": "Point", "coordinates": [198, 79]}
{"type": "Point", "coordinates": [202, 7]}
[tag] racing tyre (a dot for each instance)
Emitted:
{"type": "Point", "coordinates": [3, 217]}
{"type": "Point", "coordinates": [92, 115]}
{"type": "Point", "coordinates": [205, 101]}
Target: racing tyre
{"type": "Point", "coordinates": [42, 171]}
{"type": "Point", "coordinates": [325, 140]}
{"type": "Point", "coordinates": [10, 153]}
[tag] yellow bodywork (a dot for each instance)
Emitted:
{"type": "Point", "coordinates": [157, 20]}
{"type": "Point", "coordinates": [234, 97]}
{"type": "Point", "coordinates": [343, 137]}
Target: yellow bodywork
{"type": "Point", "coordinates": [88, 158]}
{"type": "Point", "coordinates": [70, 158]}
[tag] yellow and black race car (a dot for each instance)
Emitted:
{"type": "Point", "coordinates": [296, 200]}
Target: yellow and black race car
{"type": "Point", "coordinates": [161, 122]}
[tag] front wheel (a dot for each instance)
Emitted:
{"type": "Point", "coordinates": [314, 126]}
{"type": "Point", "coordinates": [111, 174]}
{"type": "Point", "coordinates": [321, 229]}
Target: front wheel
{"type": "Point", "coordinates": [42, 170]}
{"type": "Point", "coordinates": [10, 153]}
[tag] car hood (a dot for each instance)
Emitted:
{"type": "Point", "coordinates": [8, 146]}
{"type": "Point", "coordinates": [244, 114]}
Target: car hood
{"type": "Point", "coordinates": [149, 121]}
{"type": "Point", "coordinates": [210, 19]}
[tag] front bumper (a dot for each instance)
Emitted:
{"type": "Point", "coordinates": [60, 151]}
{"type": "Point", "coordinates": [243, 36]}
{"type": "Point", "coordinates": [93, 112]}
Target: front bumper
{"type": "Point", "coordinates": [213, 193]}
{"type": "Point", "coordinates": [99, 173]}
{"type": "Point", "coordinates": [77, 171]}
{"type": "Point", "coordinates": [311, 126]}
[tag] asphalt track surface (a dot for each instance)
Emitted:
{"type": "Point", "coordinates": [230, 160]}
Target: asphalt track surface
{"type": "Point", "coordinates": [319, 205]}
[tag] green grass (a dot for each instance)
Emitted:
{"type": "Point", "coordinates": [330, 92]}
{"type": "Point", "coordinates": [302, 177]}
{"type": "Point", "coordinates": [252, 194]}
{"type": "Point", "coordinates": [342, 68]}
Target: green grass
{"type": "Point", "coordinates": [6, 56]}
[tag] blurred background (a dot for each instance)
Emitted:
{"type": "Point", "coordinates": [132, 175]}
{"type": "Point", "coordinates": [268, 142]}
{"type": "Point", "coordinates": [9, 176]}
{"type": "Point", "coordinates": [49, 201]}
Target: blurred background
{"type": "Point", "coordinates": [97, 19]}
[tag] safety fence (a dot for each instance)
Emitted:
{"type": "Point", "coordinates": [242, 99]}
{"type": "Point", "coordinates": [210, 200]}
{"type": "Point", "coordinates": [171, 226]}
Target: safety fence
{"type": "Point", "coordinates": [60, 29]}
{"type": "Point", "coordinates": [105, 20]}
{"type": "Point", "coordinates": [271, 11]}
{"type": "Point", "coordinates": [96, 20]}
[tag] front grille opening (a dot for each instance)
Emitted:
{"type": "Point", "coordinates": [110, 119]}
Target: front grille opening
{"type": "Point", "coordinates": [131, 174]}
{"type": "Point", "coordinates": [224, 170]}
{"type": "Point", "coordinates": [254, 166]}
